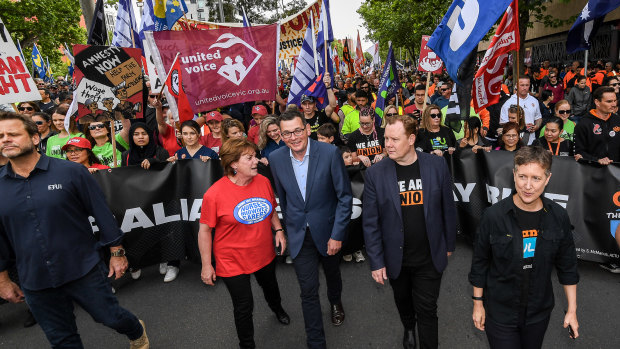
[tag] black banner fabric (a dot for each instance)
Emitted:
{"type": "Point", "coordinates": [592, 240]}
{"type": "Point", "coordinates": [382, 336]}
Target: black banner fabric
{"type": "Point", "coordinates": [159, 209]}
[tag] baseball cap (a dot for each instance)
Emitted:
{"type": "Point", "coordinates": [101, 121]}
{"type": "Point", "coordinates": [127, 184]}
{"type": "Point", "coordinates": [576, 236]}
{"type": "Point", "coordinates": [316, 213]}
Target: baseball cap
{"type": "Point", "coordinates": [260, 110]}
{"type": "Point", "coordinates": [77, 142]}
{"type": "Point", "coordinates": [213, 115]}
{"type": "Point", "coordinates": [306, 98]}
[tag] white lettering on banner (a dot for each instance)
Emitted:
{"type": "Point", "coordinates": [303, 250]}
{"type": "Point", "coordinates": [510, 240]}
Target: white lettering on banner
{"type": "Point", "coordinates": [137, 218]}
{"type": "Point", "coordinates": [160, 215]}
{"type": "Point", "coordinates": [468, 15]}
{"type": "Point", "coordinates": [465, 192]}
{"type": "Point", "coordinates": [493, 195]}
{"type": "Point", "coordinates": [230, 69]}
{"type": "Point", "coordinates": [98, 57]}
{"type": "Point", "coordinates": [613, 215]}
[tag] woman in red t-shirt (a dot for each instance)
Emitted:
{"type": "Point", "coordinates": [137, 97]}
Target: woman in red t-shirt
{"type": "Point", "coordinates": [79, 150]}
{"type": "Point", "coordinates": [241, 208]}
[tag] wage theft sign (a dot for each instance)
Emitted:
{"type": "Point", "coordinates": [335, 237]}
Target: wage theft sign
{"type": "Point", "coordinates": [16, 84]}
{"type": "Point", "coordinates": [221, 66]}
{"type": "Point", "coordinates": [109, 83]}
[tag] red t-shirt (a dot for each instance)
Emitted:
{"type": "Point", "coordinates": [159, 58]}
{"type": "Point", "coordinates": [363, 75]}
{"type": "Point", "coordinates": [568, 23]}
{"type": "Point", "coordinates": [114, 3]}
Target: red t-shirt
{"type": "Point", "coordinates": [211, 142]}
{"type": "Point", "coordinates": [99, 167]}
{"type": "Point", "coordinates": [253, 134]}
{"type": "Point", "coordinates": [241, 216]}
{"type": "Point", "coordinates": [169, 142]}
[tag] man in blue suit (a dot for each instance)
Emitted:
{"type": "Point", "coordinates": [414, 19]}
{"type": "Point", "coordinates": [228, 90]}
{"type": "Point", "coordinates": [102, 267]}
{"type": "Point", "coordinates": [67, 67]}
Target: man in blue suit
{"type": "Point", "coordinates": [410, 228]}
{"type": "Point", "coordinates": [316, 202]}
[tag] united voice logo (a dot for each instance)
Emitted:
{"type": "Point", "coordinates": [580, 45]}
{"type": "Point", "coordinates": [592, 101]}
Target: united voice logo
{"type": "Point", "coordinates": [239, 58]}
{"type": "Point", "coordinates": [614, 217]}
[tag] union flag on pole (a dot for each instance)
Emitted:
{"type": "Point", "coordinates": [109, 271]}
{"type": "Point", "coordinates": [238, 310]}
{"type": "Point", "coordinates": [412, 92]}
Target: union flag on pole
{"type": "Point", "coordinates": [360, 61]}
{"type": "Point", "coordinates": [488, 79]}
{"type": "Point", "coordinates": [174, 83]}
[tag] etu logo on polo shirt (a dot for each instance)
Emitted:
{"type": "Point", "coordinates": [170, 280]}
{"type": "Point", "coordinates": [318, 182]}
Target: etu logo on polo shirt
{"type": "Point", "coordinates": [54, 186]}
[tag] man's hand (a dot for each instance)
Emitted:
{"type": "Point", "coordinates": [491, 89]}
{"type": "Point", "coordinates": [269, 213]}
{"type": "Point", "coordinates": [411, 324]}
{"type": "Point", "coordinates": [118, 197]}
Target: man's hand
{"type": "Point", "coordinates": [571, 319]}
{"type": "Point", "coordinates": [333, 246]}
{"type": "Point", "coordinates": [327, 80]}
{"type": "Point", "coordinates": [479, 315]}
{"type": "Point", "coordinates": [208, 274]}
{"type": "Point", "coordinates": [604, 161]}
{"type": "Point", "coordinates": [118, 265]}
{"type": "Point", "coordinates": [11, 292]}
{"type": "Point", "coordinates": [379, 275]}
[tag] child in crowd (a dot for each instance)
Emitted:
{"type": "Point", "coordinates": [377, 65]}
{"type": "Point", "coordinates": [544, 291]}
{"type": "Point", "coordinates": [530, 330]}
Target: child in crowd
{"type": "Point", "coordinates": [352, 168]}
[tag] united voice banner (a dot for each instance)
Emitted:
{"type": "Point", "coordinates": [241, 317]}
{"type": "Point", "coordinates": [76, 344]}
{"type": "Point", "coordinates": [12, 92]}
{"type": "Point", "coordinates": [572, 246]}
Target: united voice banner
{"type": "Point", "coordinates": [221, 66]}
{"type": "Point", "coordinates": [163, 204]}
{"type": "Point", "coordinates": [429, 62]}
{"type": "Point", "coordinates": [16, 84]}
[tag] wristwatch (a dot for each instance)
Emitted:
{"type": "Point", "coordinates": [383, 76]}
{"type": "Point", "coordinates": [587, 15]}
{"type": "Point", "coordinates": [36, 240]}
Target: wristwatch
{"type": "Point", "coordinates": [119, 253]}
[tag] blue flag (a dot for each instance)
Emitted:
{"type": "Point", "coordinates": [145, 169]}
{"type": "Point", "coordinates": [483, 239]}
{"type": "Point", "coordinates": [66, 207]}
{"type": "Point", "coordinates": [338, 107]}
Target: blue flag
{"type": "Point", "coordinates": [462, 28]}
{"type": "Point", "coordinates": [37, 62]}
{"type": "Point", "coordinates": [167, 13]}
{"type": "Point", "coordinates": [246, 21]}
{"type": "Point", "coordinates": [148, 19]}
{"type": "Point", "coordinates": [126, 30]}
{"type": "Point", "coordinates": [305, 80]}
{"type": "Point", "coordinates": [49, 76]}
{"type": "Point", "coordinates": [585, 27]}
{"type": "Point", "coordinates": [325, 32]}
{"type": "Point", "coordinates": [21, 54]}
{"type": "Point", "coordinates": [389, 85]}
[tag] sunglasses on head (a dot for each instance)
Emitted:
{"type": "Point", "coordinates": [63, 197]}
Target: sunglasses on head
{"type": "Point", "coordinates": [435, 115]}
{"type": "Point", "coordinates": [25, 108]}
{"type": "Point", "coordinates": [563, 111]}
{"type": "Point", "coordinates": [94, 127]}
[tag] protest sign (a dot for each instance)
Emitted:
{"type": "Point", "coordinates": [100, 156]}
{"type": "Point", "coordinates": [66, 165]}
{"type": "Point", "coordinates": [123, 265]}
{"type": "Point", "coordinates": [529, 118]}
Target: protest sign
{"type": "Point", "coordinates": [109, 83]}
{"type": "Point", "coordinates": [429, 61]}
{"type": "Point", "coordinates": [220, 66]}
{"type": "Point", "coordinates": [292, 29]}
{"type": "Point", "coordinates": [16, 84]}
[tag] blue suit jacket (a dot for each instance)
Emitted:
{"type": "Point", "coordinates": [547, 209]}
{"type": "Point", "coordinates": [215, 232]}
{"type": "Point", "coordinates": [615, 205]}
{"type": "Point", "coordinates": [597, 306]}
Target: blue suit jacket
{"type": "Point", "coordinates": [382, 214]}
{"type": "Point", "coordinates": [327, 209]}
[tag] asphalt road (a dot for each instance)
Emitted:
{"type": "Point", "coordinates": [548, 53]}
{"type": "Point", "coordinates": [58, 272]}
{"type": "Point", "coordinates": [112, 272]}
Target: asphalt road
{"type": "Point", "coordinates": [188, 314]}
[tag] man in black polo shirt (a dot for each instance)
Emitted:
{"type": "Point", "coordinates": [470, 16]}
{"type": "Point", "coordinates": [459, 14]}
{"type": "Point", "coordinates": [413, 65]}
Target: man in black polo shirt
{"type": "Point", "coordinates": [45, 228]}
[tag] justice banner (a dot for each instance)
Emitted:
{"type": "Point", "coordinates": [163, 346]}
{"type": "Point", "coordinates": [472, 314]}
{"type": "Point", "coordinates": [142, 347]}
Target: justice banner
{"type": "Point", "coordinates": [220, 66]}
{"type": "Point", "coordinates": [159, 209]}
{"type": "Point", "coordinates": [16, 84]}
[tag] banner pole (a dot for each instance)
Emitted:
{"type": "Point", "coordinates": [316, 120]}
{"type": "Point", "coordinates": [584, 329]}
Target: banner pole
{"type": "Point", "coordinates": [515, 76]}
{"type": "Point", "coordinates": [585, 65]}
{"type": "Point", "coordinates": [113, 139]}
{"type": "Point", "coordinates": [168, 75]}
{"type": "Point", "coordinates": [428, 81]}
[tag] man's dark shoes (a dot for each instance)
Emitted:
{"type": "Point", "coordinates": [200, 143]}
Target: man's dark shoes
{"type": "Point", "coordinates": [409, 339]}
{"type": "Point", "coordinates": [337, 314]}
{"type": "Point", "coordinates": [282, 317]}
{"type": "Point", "coordinates": [30, 320]}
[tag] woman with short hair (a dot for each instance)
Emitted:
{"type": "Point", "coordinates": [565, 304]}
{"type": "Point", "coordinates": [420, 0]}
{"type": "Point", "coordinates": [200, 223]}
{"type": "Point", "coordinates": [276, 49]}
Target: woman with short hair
{"type": "Point", "coordinates": [510, 139]}
{"type": "Point", "coordinates": [28, 108]}
{"type": "Point", "coordinates": [241, 208]}
{"type": "Point", "coordinates": [232, 128]}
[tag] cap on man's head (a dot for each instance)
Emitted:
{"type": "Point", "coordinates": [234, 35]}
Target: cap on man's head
{"type": "Point", "coordinates": [77, 142]}
{"type": "Point", "coordinates": [260, 110]}
{"type": "Point", "coordinates": [213, 115]}
{"type": "Point", "coordinates": [306, 98]}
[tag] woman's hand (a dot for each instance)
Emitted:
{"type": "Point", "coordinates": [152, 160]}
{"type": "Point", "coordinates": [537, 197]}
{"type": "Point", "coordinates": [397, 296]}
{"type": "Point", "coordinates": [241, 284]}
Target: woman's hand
{"type": "Point", "coordinates": [451, 150]}
{"type": "Point", "coordinates": [173, 158]}
{"type": "Point", "coordinates": [578, 157]}
{"type": "Point", "coordinates": [378, 158]}
{"type": "Point", "coordinates": [207, 275]}
{"type": "Point", "coordinates": [463, 142]}
{"type": "Point", "coordinates": [264, 161]}
{"type": "Point", "coordinates": [437, 152]}
{"type": "Point", "coordinates": [92, 170]}
{"type": "Point", "coordinates": [145, 164]}
{"type": "Point", "coordinates": [204, 158]}
{"type": "Point", "coordinates": [479, 315]}
{"type": "Point", "coordinates": [365, 160]}
{"type": "Point", "coordinates": [280, 242]}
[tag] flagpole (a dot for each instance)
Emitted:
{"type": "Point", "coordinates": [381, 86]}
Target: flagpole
{"type": "Point", "coordinates": [168, 75]}
{"type": "Point", "coordinates": [113, 139]}
{"type": "Point", "coordinates": [316, 68]}
{"type": "Point", "coordinates": [585, 65]}
{"type": "Point", "coordinates": [428, 81]}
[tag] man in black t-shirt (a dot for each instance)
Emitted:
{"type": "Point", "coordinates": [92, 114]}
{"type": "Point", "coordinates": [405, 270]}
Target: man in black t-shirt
{"type": "Point", "coordinates": [410, 228]}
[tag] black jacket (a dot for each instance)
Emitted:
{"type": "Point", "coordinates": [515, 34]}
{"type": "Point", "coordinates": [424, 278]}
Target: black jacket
{"type": "Point", "coordinates": [497, 263]}
{"type": "Point", "coordinates": [595, 139]}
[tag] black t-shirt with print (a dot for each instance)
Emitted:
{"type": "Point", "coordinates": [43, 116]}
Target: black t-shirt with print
{"type": "Point", "coordinates": [529, 222]}
{"type": "Point", "coordinates": [317, 121]}
{"type": "Point", "coordinates": [367, 145]}
{"type": "Point", "coordinates": [416, 249]}
{"type": "Point", "coordinates": [428, 141]}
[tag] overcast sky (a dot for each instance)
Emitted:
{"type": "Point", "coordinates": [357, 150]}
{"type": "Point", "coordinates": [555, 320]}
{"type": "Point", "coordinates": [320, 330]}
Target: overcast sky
{"type": "Point", "coordinates": [346, 21]}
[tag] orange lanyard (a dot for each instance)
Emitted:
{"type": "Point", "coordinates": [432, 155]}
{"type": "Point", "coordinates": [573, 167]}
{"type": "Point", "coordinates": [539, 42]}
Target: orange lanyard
{"type": "Point", "coordinates": [557, 149]}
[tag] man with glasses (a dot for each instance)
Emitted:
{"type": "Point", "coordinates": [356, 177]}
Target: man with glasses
{"type": "Point", "coordinates": [530, 105]}
{"type": "Point", "coordinates": [555, 87]}
{"type": "Point", "coordinates": [316, 202]}
{"type": "Point", "coordinates": [443, 99]}
{"type": "Point", "coordinates": [417, 106]}
{"type": "Point", "coordinates": [352, 119]}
